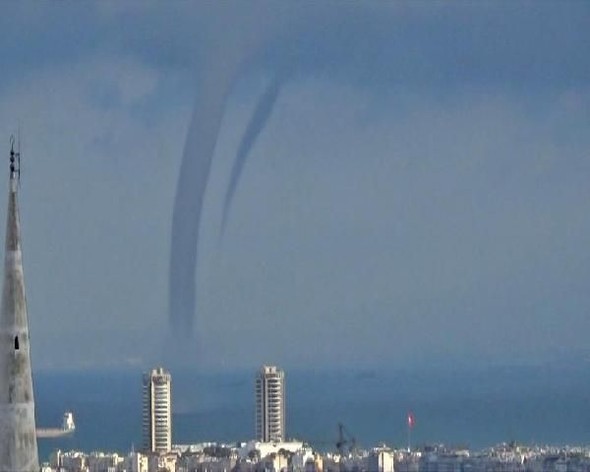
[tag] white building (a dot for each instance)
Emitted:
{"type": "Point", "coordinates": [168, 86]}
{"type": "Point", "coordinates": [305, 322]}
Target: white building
{"type": "Point", "coordinates": [380, 460]}
{"type": "Point", "coordinates": [270, 404]}
{"type": "Point", "coordinates": [157, 414]}
{"type": "Point", "coordinates": [267, 448]}
{"type": "Point", "coordinates": [136, 462]}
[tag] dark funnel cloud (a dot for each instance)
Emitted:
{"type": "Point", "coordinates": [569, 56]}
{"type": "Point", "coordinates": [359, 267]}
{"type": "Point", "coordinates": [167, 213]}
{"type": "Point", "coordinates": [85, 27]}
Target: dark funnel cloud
{"type": "Point", "coordinates": [257, 123]}
{"type": "Point", "coordinates": [223, 62]}
{"type": "Point", "coordinates": [190, 191]}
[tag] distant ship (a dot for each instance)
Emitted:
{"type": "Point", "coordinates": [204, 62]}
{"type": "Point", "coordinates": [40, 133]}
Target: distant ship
{"type": "Point", "coordinates": [67, 427]}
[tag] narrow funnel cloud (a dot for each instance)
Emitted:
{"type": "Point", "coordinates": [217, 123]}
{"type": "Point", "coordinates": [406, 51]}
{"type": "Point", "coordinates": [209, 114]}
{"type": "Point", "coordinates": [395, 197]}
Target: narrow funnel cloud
{"type": "Point", "coordinates": [256, 125]}
{"type": "Point", "coordinates": [190, 191]}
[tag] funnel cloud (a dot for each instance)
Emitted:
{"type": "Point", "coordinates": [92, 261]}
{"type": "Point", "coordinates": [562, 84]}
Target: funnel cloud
{"type": "Point", "coordinates": [220, 69]}
{"type": "Point", "coordinates": [256, 125]}
{"type": "Point", "coordinates": [192, 184]}
{"type": "Point", "coordinates": [190, 191]}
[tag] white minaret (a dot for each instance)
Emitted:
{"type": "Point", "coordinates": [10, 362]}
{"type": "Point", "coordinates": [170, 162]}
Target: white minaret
{"type": "Point", "coordinates": [18, 442]}
{"type": "Point", "coordinates": [270, 404]}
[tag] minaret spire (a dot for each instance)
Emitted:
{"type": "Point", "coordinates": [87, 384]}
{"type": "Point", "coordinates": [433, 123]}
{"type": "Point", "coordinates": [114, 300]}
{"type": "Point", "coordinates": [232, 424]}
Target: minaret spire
{"type": "Point", "coordinates": [18, 442]}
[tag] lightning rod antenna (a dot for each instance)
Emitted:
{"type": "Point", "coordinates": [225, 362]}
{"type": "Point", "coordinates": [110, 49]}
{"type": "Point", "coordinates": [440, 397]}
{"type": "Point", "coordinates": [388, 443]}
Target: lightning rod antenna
{"type": "Point", "coordinates": [14, 159]}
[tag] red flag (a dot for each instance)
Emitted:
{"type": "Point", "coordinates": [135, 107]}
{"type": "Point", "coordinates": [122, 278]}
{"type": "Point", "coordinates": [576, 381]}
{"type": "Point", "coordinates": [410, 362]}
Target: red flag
{"type": "Point", "coordinates": [411, 419]}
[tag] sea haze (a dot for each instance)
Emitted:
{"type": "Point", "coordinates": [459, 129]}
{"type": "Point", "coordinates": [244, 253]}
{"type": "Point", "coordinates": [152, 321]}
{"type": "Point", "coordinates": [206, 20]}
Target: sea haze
{"type": "Point", "coordinates": [472, 407]}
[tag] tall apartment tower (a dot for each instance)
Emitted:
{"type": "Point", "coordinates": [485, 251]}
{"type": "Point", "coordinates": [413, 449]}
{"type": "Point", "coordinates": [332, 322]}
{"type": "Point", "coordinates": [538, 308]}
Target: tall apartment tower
{"type": "Point", "coordinates": [157, 411]}
{"type": "Point", "coordinates": [270, 404]}
{"type": "Point", "coordinates": [18, 442]}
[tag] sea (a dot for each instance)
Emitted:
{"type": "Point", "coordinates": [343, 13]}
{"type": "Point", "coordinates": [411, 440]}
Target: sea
{"type": "Point", "coordinates": [467, 407]}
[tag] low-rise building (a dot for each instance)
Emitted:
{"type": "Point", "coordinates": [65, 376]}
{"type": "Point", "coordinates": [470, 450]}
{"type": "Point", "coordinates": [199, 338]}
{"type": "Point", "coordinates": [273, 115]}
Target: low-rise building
{"type": "Point", "coordinates": [380, 460]}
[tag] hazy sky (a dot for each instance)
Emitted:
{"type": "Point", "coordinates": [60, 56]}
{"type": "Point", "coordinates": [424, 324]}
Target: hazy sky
{"type": "Point", "coordinates": [420, 194]}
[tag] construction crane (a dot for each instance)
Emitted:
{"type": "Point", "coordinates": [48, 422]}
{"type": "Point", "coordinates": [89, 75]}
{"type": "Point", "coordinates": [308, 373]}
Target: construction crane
{"type": "Point", "coordinates": [346, 445]}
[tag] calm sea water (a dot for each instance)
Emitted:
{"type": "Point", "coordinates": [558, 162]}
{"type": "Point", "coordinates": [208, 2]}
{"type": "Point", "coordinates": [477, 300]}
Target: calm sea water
{"type": "Point", "coordinates": [477, 408]}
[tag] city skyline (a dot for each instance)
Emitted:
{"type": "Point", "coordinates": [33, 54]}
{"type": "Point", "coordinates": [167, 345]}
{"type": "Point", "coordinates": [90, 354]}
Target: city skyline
{"type": "Point", "coordinates": [419, 190]}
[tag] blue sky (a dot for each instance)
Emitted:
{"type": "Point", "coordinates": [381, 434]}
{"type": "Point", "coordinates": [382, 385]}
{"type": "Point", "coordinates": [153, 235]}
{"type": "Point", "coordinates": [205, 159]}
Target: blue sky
{"type": "Point", "coordinates": [418, 196]}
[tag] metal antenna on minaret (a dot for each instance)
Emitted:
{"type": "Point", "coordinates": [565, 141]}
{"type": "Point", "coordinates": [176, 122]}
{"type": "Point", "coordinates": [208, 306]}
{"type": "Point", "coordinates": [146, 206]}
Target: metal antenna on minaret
{"type": "Point", "coordinates": [18, 152]}
{"type": "Point", "coordinates": [14, 159]}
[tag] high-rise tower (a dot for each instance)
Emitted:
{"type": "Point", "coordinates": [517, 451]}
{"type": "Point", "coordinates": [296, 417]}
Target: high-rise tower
{"type": "Point", "coordinates": [18, 442]}
{"type": "Point", "coordinates": [157, 414]}
{"type": "Point", "coordinates": [270, 404]}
